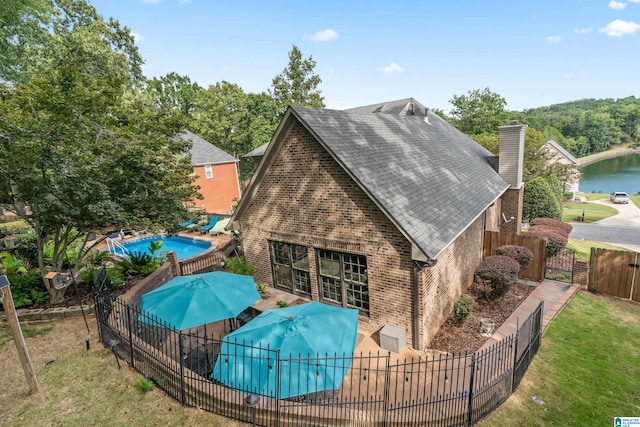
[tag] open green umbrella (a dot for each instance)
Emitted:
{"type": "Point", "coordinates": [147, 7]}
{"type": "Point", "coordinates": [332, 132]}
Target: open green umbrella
{"type": "Point", "coordinates": [188, 301]}
{"type": "Point", "coordinates": [289, 351]}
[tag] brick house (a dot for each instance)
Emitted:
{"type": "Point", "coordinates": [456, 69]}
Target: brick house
{"type": "Point", "coordinates": [216, 174]}
{"type": "Point", "coordinates": [380, 208]}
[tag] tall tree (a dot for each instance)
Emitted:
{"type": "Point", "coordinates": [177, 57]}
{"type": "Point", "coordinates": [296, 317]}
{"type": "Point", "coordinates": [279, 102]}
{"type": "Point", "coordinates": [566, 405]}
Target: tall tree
{"type": "Point", "coordinates": [297, 84]}
{"type": "Point", "coordinates": [479, 112]}
{"type": "Point", "coordinates": [22, 31]}
{"type": "Point", "coordinates": [82, 146]}
{"type": "Point", "coordinates": [174, 94]}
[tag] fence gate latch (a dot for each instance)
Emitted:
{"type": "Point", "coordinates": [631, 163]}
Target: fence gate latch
{"type": "Point", "coordinates": [632, 265]}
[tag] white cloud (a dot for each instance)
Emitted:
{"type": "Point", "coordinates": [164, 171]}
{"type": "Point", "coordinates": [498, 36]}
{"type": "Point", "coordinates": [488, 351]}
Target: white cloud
{"type": "Point", "coordinates": [584, 30]}
{"type": "Point", "coordinates": [619, 28]}
{"type": "Point", "coordinates": [617, 5]}
{"type": "Point", "coordinates": [137, 37]}
{"type": "Point", "coordinates": [554, 39]}
{"type": "Point", "coordinates": [392, 68]}
{"type": "Point", "coordinates": [324, 35]}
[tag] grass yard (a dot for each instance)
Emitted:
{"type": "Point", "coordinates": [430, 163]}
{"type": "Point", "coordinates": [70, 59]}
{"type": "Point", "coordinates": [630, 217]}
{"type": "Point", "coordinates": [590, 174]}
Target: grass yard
{"type": "Point", "coordinates": [592, 211]}
{"type": "Point", "coordinates": [594, 196]}
{"type": "Point", "coordinates": [583, 247]}
{"type": "Point", "coordinates": [635, 199]}
{"type": "Point", "coordinates": [587, 371]}
{"type": "Point", "coordinates": [83, 388]}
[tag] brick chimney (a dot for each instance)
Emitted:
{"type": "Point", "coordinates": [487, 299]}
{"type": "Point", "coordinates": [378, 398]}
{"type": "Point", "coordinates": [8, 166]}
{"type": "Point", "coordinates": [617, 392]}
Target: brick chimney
{"type": "Point", "coordinates": [511, 158]}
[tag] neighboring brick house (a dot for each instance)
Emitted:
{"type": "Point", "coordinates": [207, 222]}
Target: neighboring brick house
{"type": "Point", "coordinates": [558, 154]}
{"type": "Point", "coordinates": [216, 174]}
{"type": "Point", "coordinates": [381, 208]}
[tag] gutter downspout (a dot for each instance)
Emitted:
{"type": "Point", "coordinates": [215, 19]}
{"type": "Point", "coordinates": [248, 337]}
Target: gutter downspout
{"type": "Point", "coordinates": [416, 306]}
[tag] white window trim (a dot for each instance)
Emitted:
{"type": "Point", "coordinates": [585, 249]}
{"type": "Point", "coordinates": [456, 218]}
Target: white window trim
{"type": "Point", "coordinates": [208, 171]}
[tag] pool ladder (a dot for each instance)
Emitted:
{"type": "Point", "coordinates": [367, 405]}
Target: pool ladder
{"type": "Point", "coordinates": [115, 247]}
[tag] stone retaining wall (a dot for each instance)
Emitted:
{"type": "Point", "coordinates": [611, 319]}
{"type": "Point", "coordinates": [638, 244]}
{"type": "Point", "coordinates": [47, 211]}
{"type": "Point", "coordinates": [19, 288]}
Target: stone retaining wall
{"type": "Point", "coordinates": [48, 315]}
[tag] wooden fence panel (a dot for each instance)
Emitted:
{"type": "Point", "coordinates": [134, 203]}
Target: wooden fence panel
{"type": "Point", "coordinates": [612, 272]}
{"type": "Point", "coordinates": [537, 245]}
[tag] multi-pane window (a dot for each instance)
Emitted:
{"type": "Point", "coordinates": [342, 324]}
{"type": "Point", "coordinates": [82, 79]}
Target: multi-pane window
{"type": "Point", "coordinates": [208, 171]}
{"type": "Point", "coordinates": [343, 279]}
{"type": "Point", "coordinates": [290, 267]}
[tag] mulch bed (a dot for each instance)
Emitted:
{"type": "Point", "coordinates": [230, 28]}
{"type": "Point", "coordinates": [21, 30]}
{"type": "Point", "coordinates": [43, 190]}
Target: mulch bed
{"type": "Point", "coordinates": [464, 337]}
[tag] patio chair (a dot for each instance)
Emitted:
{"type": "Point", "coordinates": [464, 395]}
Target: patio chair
{"type": "Point", "coordinates": [212, 222]}
{"type": "Point", "coordinates": [186, 223]}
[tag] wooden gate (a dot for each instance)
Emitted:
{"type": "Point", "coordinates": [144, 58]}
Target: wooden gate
{"type": "Point", "coordinates": [537, 245]}
{"type": "Point", "coordinates": [615, 273]}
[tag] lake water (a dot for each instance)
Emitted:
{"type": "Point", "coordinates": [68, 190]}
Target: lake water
{"type": "Point", "coordinates": [617, 174]}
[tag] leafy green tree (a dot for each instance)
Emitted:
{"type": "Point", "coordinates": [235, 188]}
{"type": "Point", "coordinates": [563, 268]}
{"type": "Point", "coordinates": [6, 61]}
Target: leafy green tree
{"type": "Point", "coordinates": [479, 112]}
{"type": "Point", "coordinates": [83, 147]}
{"type": "Point", "coordinates": [219, 111]}
{"type": "Point", "coordinates": [22, 31]}
{"type": "Point", "coordinates": [175, 95]}
{"type": "Point", "coordinates": [600, 130]}
{"type": "Point", "coordinates": [297, 84]}
{"type": "Point", "coordinates": [540, 200]}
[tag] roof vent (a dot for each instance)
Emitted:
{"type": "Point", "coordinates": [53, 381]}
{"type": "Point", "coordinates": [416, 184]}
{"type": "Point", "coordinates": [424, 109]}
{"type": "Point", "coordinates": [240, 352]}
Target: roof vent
{"type": "Point", "coordinates": [378, 109]}
{"type": "Point", "coordinates": [426, 116]}
{"type": "Point", "coordinates": [412, 109]}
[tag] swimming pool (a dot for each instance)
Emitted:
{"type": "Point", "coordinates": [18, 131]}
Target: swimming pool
{"type": "Point", "coordinates": [184, 247]}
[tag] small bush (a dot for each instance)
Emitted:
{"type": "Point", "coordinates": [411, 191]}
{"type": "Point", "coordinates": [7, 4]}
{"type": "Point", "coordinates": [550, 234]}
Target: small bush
{"type": "Point", "coordinates": [523, 255]}
{"type": "Point", "coordinates": [27, 289]}
{"type": "Point", "coordinates": [238, 265]}
{"type": "Point", "coordinates": [139, 263]}
{"type": "Point", "coordinates": [143, 384]}
{"type": "Point", "coordinates": [500, 272]}
{"type": "Point", "coordinates": [282, 304]}
{"type": "Point", "coordinates": [556, 238]}
{"type": "Point", "coordinates": [462, 307]}
{"type": "Point", "coordinates": [553, 223]}
{"type": "Point", "coordinates": [263, 289]}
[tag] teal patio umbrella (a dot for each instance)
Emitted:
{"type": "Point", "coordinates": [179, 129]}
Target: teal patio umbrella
{"type": "Point", "coordinates": [189, 301]}
{"type": "Point", "coordinates": [290, 351]}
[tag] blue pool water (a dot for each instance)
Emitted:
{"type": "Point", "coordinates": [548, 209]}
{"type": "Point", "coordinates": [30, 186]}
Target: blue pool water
{"type": "Point", "coordinates": [184, 247]}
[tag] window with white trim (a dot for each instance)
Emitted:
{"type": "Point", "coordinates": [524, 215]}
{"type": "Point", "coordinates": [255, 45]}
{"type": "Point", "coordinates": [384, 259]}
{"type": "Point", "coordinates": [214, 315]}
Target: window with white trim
{"type": "Point", "coordinates": [343, 280]}
{"type": "Point", "coordinates": [208, 171]}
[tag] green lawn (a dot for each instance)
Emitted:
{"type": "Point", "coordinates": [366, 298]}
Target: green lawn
{"type": "Point", "coordinates": [592, 211]}
{"type": "Point", "coordinates": [583, 247]}
{"type": "Point", "coordinates": [594, 196]}
{"type": "Point", "coordinates": [635, 199]}
{"type": "Point", "coordinates": [587, 371]}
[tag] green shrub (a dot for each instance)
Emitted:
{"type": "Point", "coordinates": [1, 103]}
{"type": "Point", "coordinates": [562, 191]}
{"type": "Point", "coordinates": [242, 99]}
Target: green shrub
{"type": "Point", "coordinates": [462, 307]}
{"type": "Point", "coordinates": [282, 304]}
{"type": "Point", "coordinates": [553, 223]}
{"type": "Point", "coordinates": [27, 289]}
{"type": "Point", "coordinates": [238, 265]}
{"type": "Point", "coordinates": [523, 255]}
{"type": "Point", "coordinates": [263, 289]}
{"type": "Point", "coordinates": [541, 200]}
{"type": "Point", "coordinates": [143, 384]}
{"type": "Point", "coordinates": [26, 246]}
{"type": "Point", "coordinates": [556, 238]}
{"type": "Point", "coordinates": [500, 272]}
{"type": "Point", "coordinates": [89, 275]}
{"type": "Point", "coordinates": [138, 263]}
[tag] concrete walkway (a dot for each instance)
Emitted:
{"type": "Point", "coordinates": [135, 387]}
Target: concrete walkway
{"type": "Point", "coordinates": [555, 296]}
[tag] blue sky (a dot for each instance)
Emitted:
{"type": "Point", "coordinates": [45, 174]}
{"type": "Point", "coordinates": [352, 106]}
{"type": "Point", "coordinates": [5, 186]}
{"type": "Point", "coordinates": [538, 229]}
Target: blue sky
{"type": "Point", "coordinates": [533, 53]}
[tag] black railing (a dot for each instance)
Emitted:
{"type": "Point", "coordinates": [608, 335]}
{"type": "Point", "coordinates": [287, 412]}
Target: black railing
{"type": "Point", "coordinates": [377, 389]}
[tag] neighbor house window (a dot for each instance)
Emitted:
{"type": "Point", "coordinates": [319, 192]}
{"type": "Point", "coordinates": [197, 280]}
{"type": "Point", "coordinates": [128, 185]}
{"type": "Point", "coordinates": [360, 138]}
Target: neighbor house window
{"type": "Point", "coordinates": [208, 171]}
{"type": "Point", "coordinates": [343, 279]}
{"type": "Point", "coordinates": [290, 265]}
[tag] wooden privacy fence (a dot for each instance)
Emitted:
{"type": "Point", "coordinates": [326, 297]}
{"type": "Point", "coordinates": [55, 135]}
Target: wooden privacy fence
{"type": "Point", "coordinates": [538, 245]}
{"type": "Point", "coordinates": [615, 273]}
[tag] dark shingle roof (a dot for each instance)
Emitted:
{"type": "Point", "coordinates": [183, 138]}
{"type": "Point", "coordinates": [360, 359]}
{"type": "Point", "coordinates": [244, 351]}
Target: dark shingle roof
{"type": "Point", "coordinates": [257, 152]}
{"type": "Point", "coordinates": [405, 107]}
{"type": "Point", "coordinates": [204, 152]}
{"type": "Point", "coordinates": [431, 179]}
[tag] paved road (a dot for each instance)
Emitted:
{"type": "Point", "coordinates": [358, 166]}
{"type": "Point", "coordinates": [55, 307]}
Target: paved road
{"type": "Point", "coordinates": [622, 229]}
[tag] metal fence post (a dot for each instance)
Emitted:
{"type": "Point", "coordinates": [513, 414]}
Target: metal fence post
{"type": "Point", "coordinates": [515, 360]}
{"type": "Point", "coordinates": [278, 385]}
{"type": "Point", "coordinates": [129, 326]}
{"type": "Point", "coordinates": [471, 385]}
{"type": "Point", "coordinates": [181, 357]}
{"type": "Point", "coordinates": [387, 386]}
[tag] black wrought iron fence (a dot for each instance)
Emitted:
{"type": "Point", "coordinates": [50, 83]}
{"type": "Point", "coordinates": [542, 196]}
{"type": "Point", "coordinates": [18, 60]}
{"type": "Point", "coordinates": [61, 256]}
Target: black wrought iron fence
{"type": "Point", "coordinates": [373, 389]}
